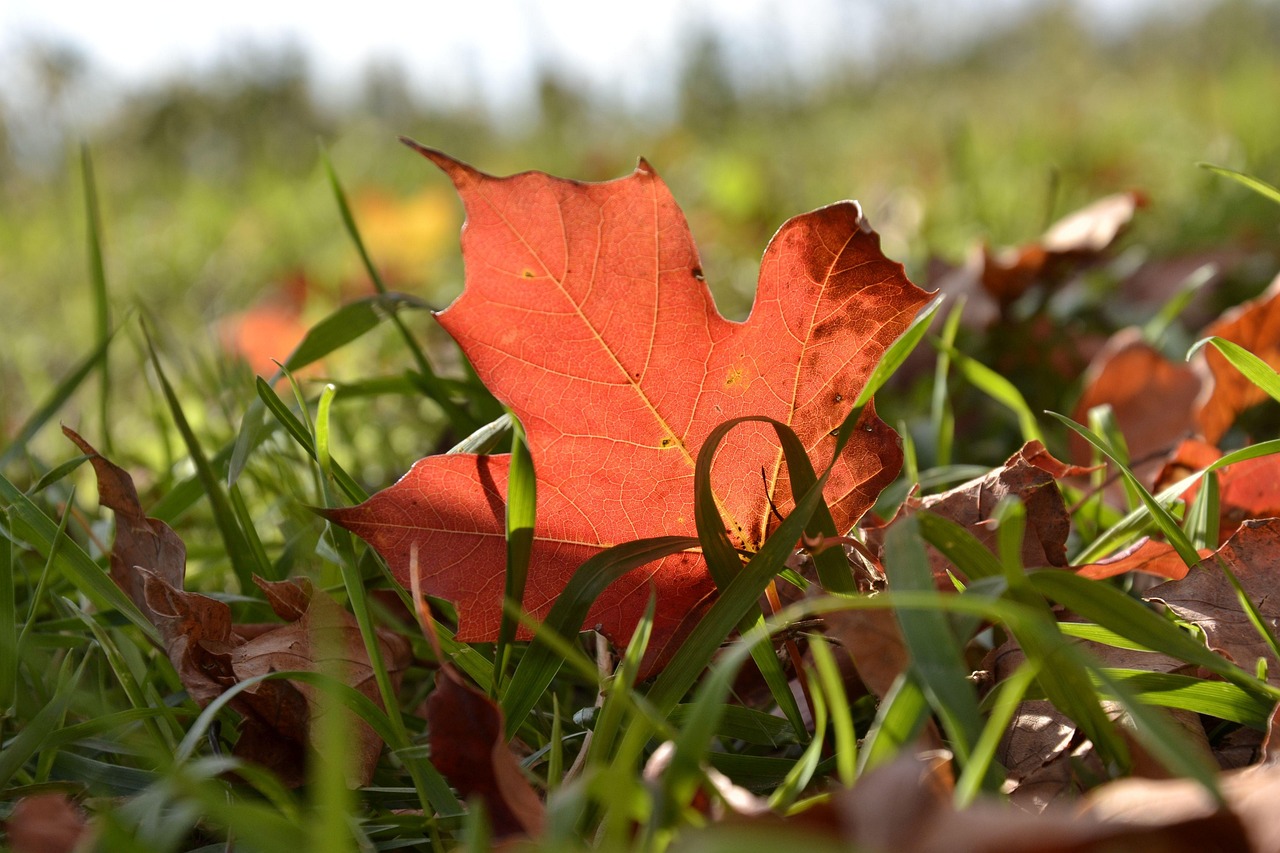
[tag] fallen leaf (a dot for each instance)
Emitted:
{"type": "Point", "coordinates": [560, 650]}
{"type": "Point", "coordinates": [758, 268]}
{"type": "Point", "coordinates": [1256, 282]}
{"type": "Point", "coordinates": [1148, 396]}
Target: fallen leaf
{"type": "Point", "coordinates": [1146, 555]}
{"type": "Point", "coordinates": [211, 654]}
{"type": "Point", "coordinates": [873, 642]}
{"type": "Point", "coordinates": [140, 542]}
{"type": "Point", "coordinates": [1030, 474]}
{"type": "Point", "coordinates": [585, 311]}
{"type": "Point", "coordinates": [468, 747]}
{"type": "Point", "coordinates": [47, 823]}
{"type": "Point", "coordinates": [1206, 598]}
{"type": "Point", "coordinates": [1246, 489]}
{"type": "Point", "coordinates": [993, 279]}
{"type": "Point", "coordinates": [1254, 325]}
{"type": "Point", "coordinates": [906, 805]}
{"type": "Point", "coordinates": [1151, 397]}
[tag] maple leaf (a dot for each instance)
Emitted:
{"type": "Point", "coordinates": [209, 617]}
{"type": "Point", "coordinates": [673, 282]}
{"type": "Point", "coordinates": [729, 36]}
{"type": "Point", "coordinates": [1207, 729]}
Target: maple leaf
{"type": "Point", "coordinates": [585, 311]}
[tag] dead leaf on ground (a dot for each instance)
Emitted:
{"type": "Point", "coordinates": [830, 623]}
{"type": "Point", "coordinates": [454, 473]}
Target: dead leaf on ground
{"type": "Point", "coordinates": [1246, 489]}
{"type": "Point", "coordinates": [1030, 474]}
{"type": "Point", "coordinates": [211, 653]}
{"type": "Point", "coordinates": [1151, 397]}
{"type": "Point", "coordinates": [140, 541]}
{"type": "Point", "coordinates": [1254, 325]}
{"type": "Point", "coordinates": [1206, 598]}
{"type": "Point", "coordinates": [993, 279]}
{"type": "Point", "coordinates": [469, 749]}
{"type": "Point", "coordinates": [906, 806]}
{"type": "Point", "coordinates": [1151, 556]}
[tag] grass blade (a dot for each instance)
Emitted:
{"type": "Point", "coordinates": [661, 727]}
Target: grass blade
{"type": "Point", "coordinates": [240, 554]}
{"type": "Point", "coordinates": [1258, 185]}
{"type": "Point", "coordinates": [522, 510]}
{"type": "Point", "coordinates": [899, 351]}
{"type": "Point", "coordinates": [97, 289]}
{"type": "Point", "coordinates": [1253, 368]}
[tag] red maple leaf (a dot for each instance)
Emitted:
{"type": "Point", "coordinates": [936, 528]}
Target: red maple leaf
{"type": "Point", "coordinates": [585, 311]}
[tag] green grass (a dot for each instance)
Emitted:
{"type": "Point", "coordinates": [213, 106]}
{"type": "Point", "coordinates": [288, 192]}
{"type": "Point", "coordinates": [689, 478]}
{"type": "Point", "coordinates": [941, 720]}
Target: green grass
{"type": "Point", "coordinates": [90, 705]}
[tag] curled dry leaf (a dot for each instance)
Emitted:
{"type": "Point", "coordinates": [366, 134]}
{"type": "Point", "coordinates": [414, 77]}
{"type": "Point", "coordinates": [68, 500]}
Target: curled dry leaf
{"type": "Point", "coordinates": [211, 653]}
{"type": "Point", "coordinates": [993, 279]}
{"type": "Point", "coordinates": [1255, 325]}
{"type": "Point", "coordinates": [1206, 598]}
{"type": "Point", "coordinates": [140, 542]}
{"type": "Point", "coordinates": [1151, 397]}
{"type": "Point", "coordinates": [586, 312]}
{"type": "Point", "coordinates": [469, 749]}
{"type": "Point", "coordinates": [1030, 474]}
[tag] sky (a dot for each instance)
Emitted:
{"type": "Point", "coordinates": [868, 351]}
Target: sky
{"type": "Point", "coordinates": [453, 50]}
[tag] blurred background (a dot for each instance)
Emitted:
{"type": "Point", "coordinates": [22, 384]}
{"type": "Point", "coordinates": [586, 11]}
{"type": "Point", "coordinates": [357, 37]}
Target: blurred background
{"type": "Point", "coordinates": [956, 125]}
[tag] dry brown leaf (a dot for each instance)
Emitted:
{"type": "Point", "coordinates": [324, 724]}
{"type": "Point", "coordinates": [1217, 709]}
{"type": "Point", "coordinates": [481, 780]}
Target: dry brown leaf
{"type": "Point", "coordinates": [1206, 598]}
{"type": "Point", "coordinates": [140, 542]}
{"type": "Point", "coordinates": [905, 807]}
{"type": "Point", "coordinates": [1254, 325]}
{"type": "Point", "coordinates": [1151, 397]}
{"type": "Point", "coordinates": [1145, 555]}
{"type": "Point", "coordinates": [211, 654]}
{"type": "Point", "coordinates": [47, 823]}
{"type": "Point", "coordinates": [469, 749]}
{"type": "Point", "coordinates": [1030, 475]}
{"type": "Point", "coordinates": [873, 642]}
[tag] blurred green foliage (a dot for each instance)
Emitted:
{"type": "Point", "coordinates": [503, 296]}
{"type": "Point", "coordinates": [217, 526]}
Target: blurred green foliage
{"type": "Point", "coordinates": [212, 193]}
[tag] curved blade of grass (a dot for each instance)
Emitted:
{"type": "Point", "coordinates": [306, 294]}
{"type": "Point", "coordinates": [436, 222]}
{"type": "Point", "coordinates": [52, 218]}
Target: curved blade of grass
{"type": "Point", "coordinates": [1134, 523]}
{"type": "Point", "coordinates": [837, 702]}
{"type": "Point", "coordinates": [540, 664]}
{"type": "Point", "coordinates": [619, 699]}
{"type": "Point", "coordinates": [897, 353]}
{"type": "Point", "coordinates": [1258, 185]}
{"type": "Point", "coordinates": [1250, 366]}
{"type": "Point", "coordinates": [299, 432]}
{"type": "Point", "coordinates": [958, 546]}
{"type": "Point", "coordinates": [997, 388]}
{"type": "Point", "coordinates": [1213, 698]}
{"type": "Point", "coordinates": [97, 289]}
{"type": "Point", "coordinates": [745, 589]}
{"type": "Point", "coordinates": [1204, 514]}
{"type": "Point", "coordinates": [941, 414]}
{"type": "Point", "coordinates": [488, 437]}
{"type": "Point", "coordinates": [1162, 517]}
{"type": "Point", "coordinates": [1156, 328]}
{"type": "Point", "coordinates": [522, 497]}
{"type": "Point", "coordinates": [901, 716]}
{"type": "Point", "coordinates": [461, 420]}
{"type": "Point", "coordinates": [241, 556]}
{"type": "Point", "coordinates": [1162, 738]}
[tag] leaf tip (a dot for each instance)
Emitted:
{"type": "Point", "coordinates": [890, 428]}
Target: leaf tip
{"type": "Point", "coordinates": [455, 169]}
